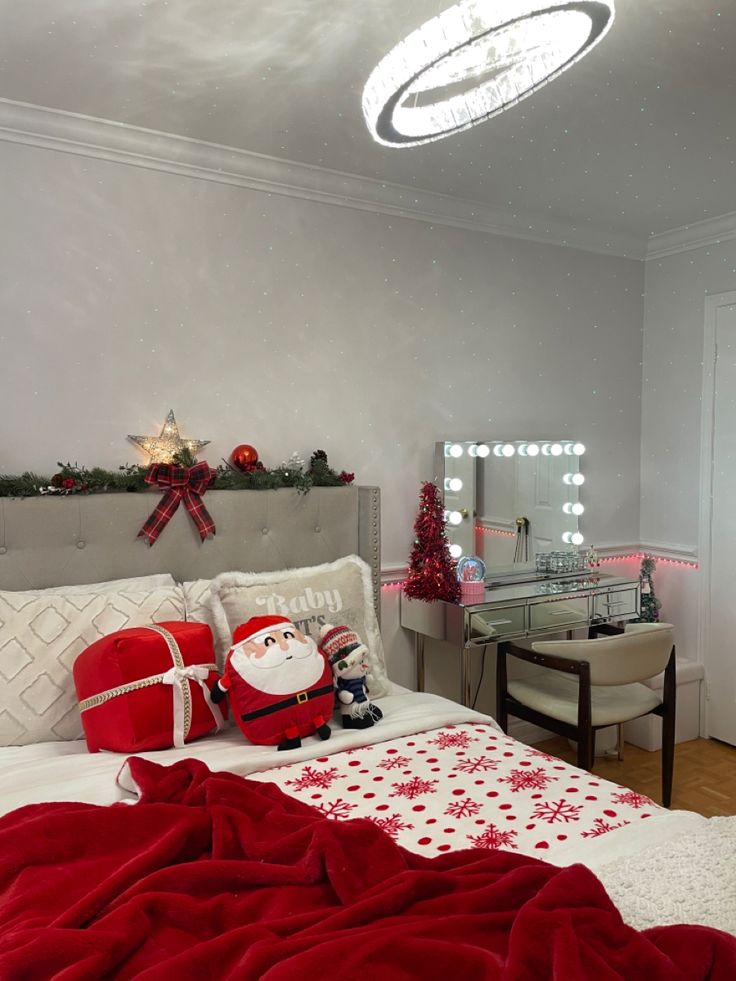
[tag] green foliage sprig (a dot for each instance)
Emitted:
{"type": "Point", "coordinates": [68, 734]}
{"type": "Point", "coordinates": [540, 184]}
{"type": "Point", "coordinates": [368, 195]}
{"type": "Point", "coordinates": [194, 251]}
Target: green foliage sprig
{"type": "Point", "coordinates": [73, 479]}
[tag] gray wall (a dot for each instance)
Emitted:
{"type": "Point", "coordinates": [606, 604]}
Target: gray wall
{"type": "Point", "coordinates": [294, 325]}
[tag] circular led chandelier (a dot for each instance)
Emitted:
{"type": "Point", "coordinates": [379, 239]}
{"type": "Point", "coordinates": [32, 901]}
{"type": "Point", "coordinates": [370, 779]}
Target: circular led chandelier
{"type": "Point", "coordinates": [473, 61]}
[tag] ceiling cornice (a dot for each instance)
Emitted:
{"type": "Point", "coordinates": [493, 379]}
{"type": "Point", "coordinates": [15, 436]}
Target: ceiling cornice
{"type": "Point", "coordinates": [698, 235]}
{"type": "Point", "coordinates": [102, 139]}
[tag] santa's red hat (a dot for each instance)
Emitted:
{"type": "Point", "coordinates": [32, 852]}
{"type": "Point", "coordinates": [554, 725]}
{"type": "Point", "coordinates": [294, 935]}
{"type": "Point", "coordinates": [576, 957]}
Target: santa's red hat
{"type": "Point", "coordinates": [259, 627]}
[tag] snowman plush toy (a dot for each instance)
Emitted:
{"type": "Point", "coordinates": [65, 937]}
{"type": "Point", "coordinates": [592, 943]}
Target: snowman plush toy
{"type": "Point", "coordinates": [347, 655]}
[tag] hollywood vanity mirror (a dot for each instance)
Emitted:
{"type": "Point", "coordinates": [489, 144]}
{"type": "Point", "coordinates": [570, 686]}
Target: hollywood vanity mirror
{"type": "Point", "coordinates": [511, 501]}
{"type": "Point", "coordinates": [516, 504]}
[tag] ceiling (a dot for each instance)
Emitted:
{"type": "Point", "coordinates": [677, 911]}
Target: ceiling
{"type": "Point", "coordinates": [639, 137]}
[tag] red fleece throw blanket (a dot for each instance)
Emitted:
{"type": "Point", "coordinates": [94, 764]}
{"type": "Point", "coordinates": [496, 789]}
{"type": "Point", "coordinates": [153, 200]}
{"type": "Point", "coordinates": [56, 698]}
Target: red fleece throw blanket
{"type": "Point", "coordinates": [213, 876]}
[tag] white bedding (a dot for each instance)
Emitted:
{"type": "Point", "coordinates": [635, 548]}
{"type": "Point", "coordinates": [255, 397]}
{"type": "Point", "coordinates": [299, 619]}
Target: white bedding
{"type": "Point", "coordinates": [66, 771]}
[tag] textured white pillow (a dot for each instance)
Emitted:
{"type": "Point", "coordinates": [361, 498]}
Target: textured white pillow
{"type": "Point", "coordinates": [135, 585]}
{"type": "Point", "coordinates": [40, 638]}
{"type": "Point", "coordinates": [198, 607]}
{"type": "Point", "coordinates": [339, 592]}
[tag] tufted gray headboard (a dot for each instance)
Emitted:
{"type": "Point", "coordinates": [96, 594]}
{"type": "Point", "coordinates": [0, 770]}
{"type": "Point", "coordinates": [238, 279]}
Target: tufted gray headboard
{"type": "Point", "coordinates": [65, 541]}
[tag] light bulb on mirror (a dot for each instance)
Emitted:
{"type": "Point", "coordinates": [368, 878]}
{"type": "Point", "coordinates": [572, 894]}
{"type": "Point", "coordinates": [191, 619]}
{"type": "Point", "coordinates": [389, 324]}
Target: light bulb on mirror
{"type": "Point", "coordinates": [454, 449]}
{"type": "Point", "coordinates": [546, 449]}
{"type": "Point", "coordinates": [574, 478]}
{"type": "Point", "coordinates": [532, 450]}
{"type": "Point", "coordinates": [569, 449]}
{"type": "Point", "coordinates": [455, 518]}
{"type": "Point", "coordinates": [556, 449]}
{"type": "Point", "coordinates": [508, 449]}
{"type": "Point", "coordinates": [482, 450]}
{"type": "Point", "coordinates": [498, 449]}
{"type": "Point", "coordinates": [572, 538]}
{"type": "Point", "coordinates": [578, 449]}
{"type": "Point", "coordinates": [456, 550]}
{"type": "Point", "coordinates": [521, 449]}
{"type": "Point", "coordinates": [453, 484]}
{"type": "Point", "coordinates": [578, 509]}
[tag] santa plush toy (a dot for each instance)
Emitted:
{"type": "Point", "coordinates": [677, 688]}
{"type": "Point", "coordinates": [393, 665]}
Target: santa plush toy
{"type": "Point", "coordinates": [279, 683]}
{"type": "Point", "coordinates": [347, 655]}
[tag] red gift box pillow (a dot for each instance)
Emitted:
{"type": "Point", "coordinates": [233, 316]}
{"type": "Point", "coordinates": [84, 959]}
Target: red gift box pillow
{"type": "Point", "coordinates": [147, 688]}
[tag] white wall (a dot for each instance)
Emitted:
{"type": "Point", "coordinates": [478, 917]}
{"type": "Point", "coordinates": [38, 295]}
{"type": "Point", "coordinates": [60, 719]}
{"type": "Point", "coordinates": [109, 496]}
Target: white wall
{"type": "Point", "coordinates": [294, 325]}
{"type": "Point", "coordinates": [674, 311]}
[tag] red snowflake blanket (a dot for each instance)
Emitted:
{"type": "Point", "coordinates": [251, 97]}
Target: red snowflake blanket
{"type": "Point", "coordinates": [214, 876]}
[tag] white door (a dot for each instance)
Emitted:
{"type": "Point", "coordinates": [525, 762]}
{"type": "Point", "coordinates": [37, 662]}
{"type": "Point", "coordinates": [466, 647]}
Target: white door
{"type": "Point", "coordinates": [721, 652]}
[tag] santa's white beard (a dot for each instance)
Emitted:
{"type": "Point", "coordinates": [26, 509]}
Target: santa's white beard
{"type": "Point", "coordinates": [281, 671]}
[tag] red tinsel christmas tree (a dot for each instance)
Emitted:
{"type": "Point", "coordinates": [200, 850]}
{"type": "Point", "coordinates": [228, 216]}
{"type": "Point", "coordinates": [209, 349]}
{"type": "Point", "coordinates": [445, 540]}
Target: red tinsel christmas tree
{"type": "Point", "coordinates": [431, 568]}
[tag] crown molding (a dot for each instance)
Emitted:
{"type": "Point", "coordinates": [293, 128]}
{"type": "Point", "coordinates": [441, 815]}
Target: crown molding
{"type": "Point", "coordinates": [87, 136]}
{"type": "Point", "coordinates": [698, 235]}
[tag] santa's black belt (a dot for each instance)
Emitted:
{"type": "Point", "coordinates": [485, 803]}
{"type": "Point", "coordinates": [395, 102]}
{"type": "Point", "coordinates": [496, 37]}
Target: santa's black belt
{"type": "Point", "coordinates": [299, 699]}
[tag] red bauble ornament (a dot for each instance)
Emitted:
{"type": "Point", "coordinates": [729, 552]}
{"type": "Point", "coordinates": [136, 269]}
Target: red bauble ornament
{"type": "Point", "coordinates": [244, 457]}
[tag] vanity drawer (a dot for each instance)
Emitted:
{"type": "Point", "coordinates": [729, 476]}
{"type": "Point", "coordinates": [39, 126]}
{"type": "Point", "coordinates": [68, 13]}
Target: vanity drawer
{"type": "Point", "coordinates": [558, 614]}
{"type": "Point", "coordinates": [615, 604]}
{"type": "Point", "coordinates": [489, 626]}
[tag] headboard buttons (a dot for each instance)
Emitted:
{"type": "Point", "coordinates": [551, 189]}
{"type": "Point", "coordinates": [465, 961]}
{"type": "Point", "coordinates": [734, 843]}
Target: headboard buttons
{"type": "Point", "coordinates": [264, 531]}
{"type": "Point", "coordinates": [317, 528]}
{"type": "Point", "coordinates": [81, 543]}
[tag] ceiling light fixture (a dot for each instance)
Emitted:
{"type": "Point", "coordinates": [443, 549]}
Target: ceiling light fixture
{"type": "Point", "coordinates": [474, 60]}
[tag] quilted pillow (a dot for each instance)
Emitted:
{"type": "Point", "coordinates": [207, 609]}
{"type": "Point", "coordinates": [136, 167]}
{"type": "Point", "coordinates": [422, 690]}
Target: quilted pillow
{"type": "Point", "coordinates": [339, 592]}
{"type": "Point", "coordinates": [198, 607]}
{"type": "Point", "coordinates": [41, 635]}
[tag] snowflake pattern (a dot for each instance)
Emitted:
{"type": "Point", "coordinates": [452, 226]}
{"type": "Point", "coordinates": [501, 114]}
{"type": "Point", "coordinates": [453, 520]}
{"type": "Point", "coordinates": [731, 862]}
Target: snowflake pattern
{"type": "Point", "coordinates": [478, 764]}
{"type": "Point", "coordinates": [463, 785]}
{"type": "Point", "coordinates": [462, 808]}
{"type": "Point", "coordinates": [560, 810]}
{"type": "Point", "coordinates": [338, 809]}
{"type": "Point", "coordinates": [601, 826]}
{"type": "Point", "coordinates": [453, 740]}
{"type": "Point", "coordinates": [395, 763]}
{"type": "Point", "coordinates": [392, 825]}
{"type": "Point", "coordinates": [310, 777]}
{"type": "Point", "coordinates": [544, 756]}
{"type": "Point", "coordinates": [633, 799]}
{"type": "Point", "coordinates": [493, 837]}
{"type": "Point", "coordinates": [414, 788]}
{"type": "Point", "coordinates": [527, 779]}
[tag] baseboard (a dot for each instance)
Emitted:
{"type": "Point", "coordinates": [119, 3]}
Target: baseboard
{"type": "Point", "coordinates": [527, 732]}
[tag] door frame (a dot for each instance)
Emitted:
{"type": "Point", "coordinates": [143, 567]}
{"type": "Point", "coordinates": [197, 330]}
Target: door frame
{"type": "Point", "coordinates": [713, 303]}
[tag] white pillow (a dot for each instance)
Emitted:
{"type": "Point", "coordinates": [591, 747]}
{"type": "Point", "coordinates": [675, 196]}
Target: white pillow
{"type": "Point", "coordinates": [198, 607]}
{"type": "Point", "coordinates": [135, 585]}
{"type": "Point", "coordinates": [40, 638]}
{"type": "Point", "coordinates": [339, 592]}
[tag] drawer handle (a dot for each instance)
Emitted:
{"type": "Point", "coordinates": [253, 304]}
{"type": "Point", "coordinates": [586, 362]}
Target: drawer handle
{"type": "Point", "coordinates": [497, 623]}
{"type": "Point", "coordinates": [565, 613]}
{"type": "Point", "coordinates": [617, 603]}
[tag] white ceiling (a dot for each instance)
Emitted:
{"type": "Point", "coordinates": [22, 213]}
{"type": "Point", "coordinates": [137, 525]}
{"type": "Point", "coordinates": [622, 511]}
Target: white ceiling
{"type": "Point", "coordinates": [639, 137]}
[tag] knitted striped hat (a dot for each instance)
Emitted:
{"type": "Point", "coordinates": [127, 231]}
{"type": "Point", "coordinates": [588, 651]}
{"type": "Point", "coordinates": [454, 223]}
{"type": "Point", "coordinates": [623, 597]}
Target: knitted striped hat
{"type": "Point", "coordinates": [337, 643]}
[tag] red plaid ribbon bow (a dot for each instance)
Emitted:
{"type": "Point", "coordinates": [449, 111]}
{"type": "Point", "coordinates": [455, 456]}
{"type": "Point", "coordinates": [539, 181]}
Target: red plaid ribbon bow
{"type": "Point", "coordinates": [183, 483]}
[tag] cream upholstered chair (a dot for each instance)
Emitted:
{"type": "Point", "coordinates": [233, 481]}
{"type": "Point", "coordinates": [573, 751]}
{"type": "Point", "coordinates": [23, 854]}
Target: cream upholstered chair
{"type": "Point", "coordinates": [585, 685]}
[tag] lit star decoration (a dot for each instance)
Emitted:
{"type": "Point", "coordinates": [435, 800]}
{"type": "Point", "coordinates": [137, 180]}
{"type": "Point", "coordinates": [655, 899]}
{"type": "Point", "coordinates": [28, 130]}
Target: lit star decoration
{"type": "Point", "coordinates": [163, 448]}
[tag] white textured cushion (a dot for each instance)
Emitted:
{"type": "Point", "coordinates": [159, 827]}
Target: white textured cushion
{"type": "Point", "coordinates": [198, 607]}
{"type": "Point", "coordinates": [339, 592]}
{"type": "Point", "coordinates": [40, 638]}
{"type": "Point", "coordinates": [135, 585]}
{"type": "Point", "coordinates": [556, 694]}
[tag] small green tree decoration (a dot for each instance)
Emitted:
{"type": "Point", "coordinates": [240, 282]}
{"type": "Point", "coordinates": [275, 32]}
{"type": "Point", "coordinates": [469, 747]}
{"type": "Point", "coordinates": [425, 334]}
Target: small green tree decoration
{"type": "Point", "coordinates": [650, 605]}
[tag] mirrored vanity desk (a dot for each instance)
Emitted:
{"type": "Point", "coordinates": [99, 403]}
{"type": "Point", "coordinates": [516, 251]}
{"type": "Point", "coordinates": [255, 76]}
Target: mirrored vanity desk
{"type": "Point", "coordinates": [513, 609]}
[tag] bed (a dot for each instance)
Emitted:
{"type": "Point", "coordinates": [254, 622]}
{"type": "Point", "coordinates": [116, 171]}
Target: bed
{"type": "Point", "coordinates": [429, 845]}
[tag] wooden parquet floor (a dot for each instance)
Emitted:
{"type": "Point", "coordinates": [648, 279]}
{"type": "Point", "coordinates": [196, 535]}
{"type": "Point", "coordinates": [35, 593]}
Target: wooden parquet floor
{"type": "Point", "coordinates": [704, 781]}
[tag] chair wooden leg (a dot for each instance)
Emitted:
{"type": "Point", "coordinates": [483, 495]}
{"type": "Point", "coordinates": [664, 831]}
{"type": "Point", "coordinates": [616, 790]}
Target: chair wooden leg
{"type": "Point", "coordinates": [620, 746]}
{"type": "Point", "coordinates": [668, 729]}
{"type": "Point", "coordinates": [586, 749]}
{"type": "Point", "coordinates": [502, 715]}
